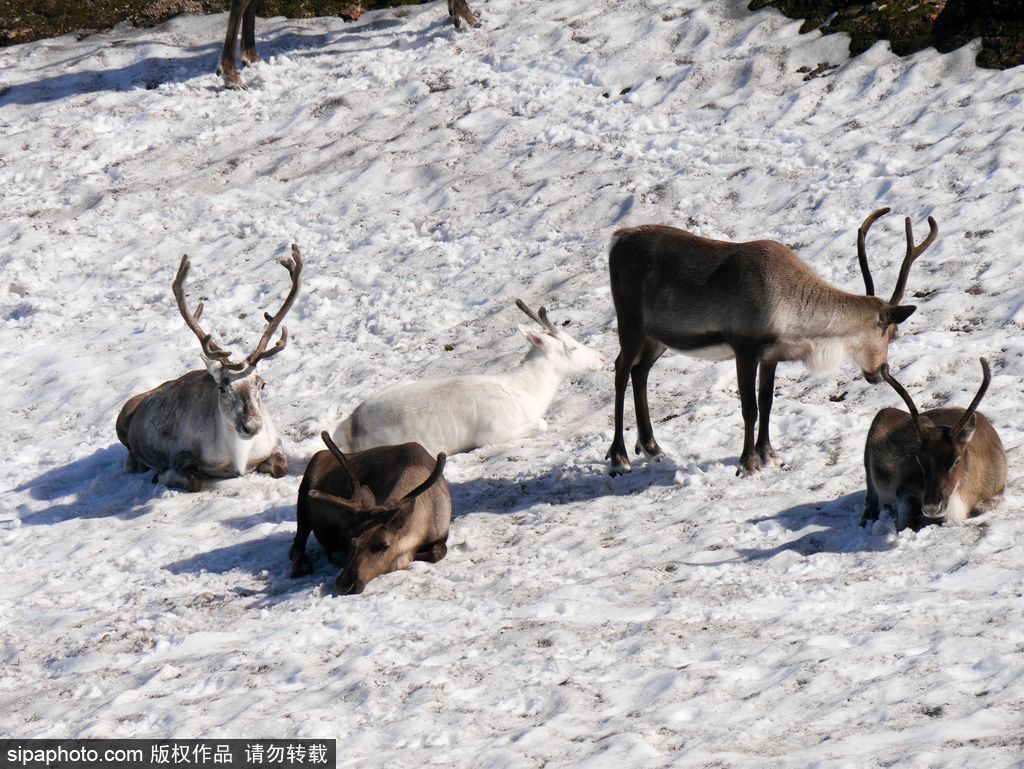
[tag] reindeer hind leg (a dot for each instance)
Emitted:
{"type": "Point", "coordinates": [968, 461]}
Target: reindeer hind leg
{"type": "Point", "coordinates": [645, 442]}
{"type": "Point", "coordinates": [249, 55]}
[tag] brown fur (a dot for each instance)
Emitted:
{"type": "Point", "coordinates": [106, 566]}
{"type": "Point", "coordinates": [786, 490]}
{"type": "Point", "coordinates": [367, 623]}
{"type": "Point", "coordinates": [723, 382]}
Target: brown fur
{"type": "Point", "coordinates": [387, 506]}
{"type": "Point", "coordinates": [950, 462]}
{"type": "Point", "coordinates": [757, 302]}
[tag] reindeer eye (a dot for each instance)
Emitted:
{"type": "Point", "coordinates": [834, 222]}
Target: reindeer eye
{"type": "Point", "coordinates": [263, 385]}
{"type": "Point", "coordinates": [222, 387]}
{"type": "Point", "coordinates": [379, 547]}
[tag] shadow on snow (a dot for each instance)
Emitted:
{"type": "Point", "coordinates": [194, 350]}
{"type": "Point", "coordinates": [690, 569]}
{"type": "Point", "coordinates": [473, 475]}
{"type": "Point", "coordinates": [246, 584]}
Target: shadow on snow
{"type": "Point", "coordinates": [152, 72]}
{"type": "Point", "coordinates": [83, 489]}
{"type": "Point", "coordinates": [836, 525]}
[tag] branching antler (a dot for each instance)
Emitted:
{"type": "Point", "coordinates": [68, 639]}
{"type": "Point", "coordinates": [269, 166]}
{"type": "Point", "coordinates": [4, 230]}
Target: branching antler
{"type": "Point", "coordinates": [210, 348]}
{"type": "Point", "coordinates": [862, 256]}
{"type": "Point", "coordinates": [345, 466]}
{"type": "Point", "coordinates": [986, 379]}
{"type": "Point", "coordinates": [294, 267]}
{"type": "Point", "coordinates": [542, 318]}
{"type": "Point", "coordinates": [912, 253]}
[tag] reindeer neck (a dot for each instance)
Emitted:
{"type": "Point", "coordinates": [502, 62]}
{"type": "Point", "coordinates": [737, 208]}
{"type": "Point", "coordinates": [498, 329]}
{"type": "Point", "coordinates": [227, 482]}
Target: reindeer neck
{"type": "Point", "coordinates": [820, 309]}
{"type": "Point", "coordinates": [537, 374]}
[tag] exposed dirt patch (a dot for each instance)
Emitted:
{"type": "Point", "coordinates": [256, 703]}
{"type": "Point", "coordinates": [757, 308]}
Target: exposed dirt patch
{"type": "Point", "coordinates": [910, 25]}
{"type": "Point", "coordinates": [22, 21]}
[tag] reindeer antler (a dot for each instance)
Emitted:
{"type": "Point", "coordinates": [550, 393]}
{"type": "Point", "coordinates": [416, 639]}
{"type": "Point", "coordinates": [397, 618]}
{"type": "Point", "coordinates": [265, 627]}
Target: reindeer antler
{"type": "Point", "coordinates": [986, 379]}
{"type": "Point", "coordinates": [294, 267]}
{"type": "Point", "coordinates": [912, 253]}
{"type": "Point", "coordinates": [542, 319]}
{"type": "Point", "coordinates": [862, 256]}
{"type": "Point", "coordinates": [434, 475]}
{"type": "Point", "coordinates": [210, 348]}
{"type": "Point", "coordinates": [904, 395]}
{"type": "Point", "coordinates": [343, 461]}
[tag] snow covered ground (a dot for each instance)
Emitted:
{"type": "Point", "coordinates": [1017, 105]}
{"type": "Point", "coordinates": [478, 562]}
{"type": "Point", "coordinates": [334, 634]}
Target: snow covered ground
{"type": "Point", "coordinates": [679, 616]}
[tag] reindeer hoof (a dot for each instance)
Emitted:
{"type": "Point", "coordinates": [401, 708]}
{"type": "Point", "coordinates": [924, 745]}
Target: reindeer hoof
{"type": "Point", "coordinates": [651, 452]}
{"type": "Point", "coordinates": [302, 566]}
{"type": "Point", "coordinates": [749, 466]}
{"type": "Point", "coordinates": [768, 457]}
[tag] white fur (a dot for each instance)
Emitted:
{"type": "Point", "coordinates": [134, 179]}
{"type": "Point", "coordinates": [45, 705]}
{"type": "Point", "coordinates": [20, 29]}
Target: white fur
{"type": "Point", "coordinates": [466, 412]}
{"type": "Point", "coordinates": [714, 352]}
{"type": "Point", "coordinates": [825, 353]}
{"type": "Point", "coordinates": [957, 510]}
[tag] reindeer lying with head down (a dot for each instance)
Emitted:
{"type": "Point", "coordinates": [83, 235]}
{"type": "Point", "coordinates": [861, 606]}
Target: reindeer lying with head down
{"type": "Point", "coordinates": [373, 512]}
{"type": "Point", "coordinates": [209, 423]}
{"type": "Point", "coordinates": [465, 412]}
{"type": "Point", "coordinates": [946, 464]}
{"type": "Point", "coordinates": [757, 302]}
{"type": "Point", "coordinates": [243, 14]}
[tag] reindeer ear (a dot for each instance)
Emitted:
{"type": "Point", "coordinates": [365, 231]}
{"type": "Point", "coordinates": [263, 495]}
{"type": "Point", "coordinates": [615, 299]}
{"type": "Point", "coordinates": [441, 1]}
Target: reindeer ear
{"type": "Point", "coordinates": [366, 500]}
{"type": "Point", "coordinates": [925, 424]}
{"type": "Point", "coordinates": [537, 338]}
{"type": "Point", "coordinates": [213, 367]}
{"type": "Point", "coordinates": [967, 431]}
{"type": "Point", "coordinates": [898, 314]}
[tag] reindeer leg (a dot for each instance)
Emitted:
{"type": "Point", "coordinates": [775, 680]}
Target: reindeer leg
{"type": "Point", "coordinates": [746, 378]}
{"type": "Point", "coordinates": [227, 68]}
{"type": "Point", "coordinates": [249, 55]}
{"type": "Point", "coordinates": [461, 14]}
{"type": "Point", "coordinates": [183, 473]}
{"type": "Point", "coordinates": [276, 465]}
{"type": "Point", "coordinates": [645, 431]}
{"type": "Point", "coordinates": [765, 395]}
{"type": "Point", "coordinates": [432, 554]}
{"type": "Point", "coordinates": [629, 350]}
{"type": "Point", "coordinates": [301, 564]}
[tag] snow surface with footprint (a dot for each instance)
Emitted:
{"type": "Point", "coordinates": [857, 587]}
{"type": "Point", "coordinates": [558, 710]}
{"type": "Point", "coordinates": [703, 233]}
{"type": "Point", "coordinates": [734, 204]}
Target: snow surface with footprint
{"type": "Point", "coordinates": [679, 616]}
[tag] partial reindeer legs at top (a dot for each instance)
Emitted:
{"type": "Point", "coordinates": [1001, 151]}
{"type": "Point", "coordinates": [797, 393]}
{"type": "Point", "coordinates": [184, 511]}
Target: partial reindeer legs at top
{"type": "Point", "coordinates": [462, 14]}
{"type": "Point", "coordinates": [243, 13]}
{"type": "Point", "coordinates": [212, 422]}
{"type": "Point", "coordinates": [242, 16]}
{"type": "Point", "coordinates": [757, 302]}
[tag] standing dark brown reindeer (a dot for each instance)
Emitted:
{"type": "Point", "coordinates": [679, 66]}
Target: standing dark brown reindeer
{"type": "Point", "coordinates": [212, 422]}
{"type": "Point", "coordinates": [372, 511]}
{"type": "Point", "coordinates": [757, 302]}
{"type": "Point", "coordinates": [946, 464]}
{"type": "Point", "coordinates": [243, 14]}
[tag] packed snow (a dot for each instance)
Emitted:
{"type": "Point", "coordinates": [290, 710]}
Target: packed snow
{"type": "Point", "coordinates": [678, 616]}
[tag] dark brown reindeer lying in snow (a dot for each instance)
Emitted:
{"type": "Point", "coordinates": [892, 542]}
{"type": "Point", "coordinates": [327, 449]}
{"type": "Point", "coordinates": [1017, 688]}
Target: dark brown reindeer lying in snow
{"type": "Point", "coordinates": [212, 422]}
{"type": "Point", "coordinates": [946, 464]}
{"type": "Point", "coordinates": [372, 511]}
{"type": "Point", "coordinates": [757, 302]}
{"type": "Point", "coordinates": [243, 14]}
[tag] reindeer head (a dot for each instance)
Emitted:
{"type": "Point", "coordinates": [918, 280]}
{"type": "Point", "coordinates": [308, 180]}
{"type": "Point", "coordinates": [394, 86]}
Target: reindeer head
{"type": "Point", "coordinates": [871, 351]}
{"type": "Point", "coordinates": [240, 387]}
{"type": "Point", "coordinates": [568, 355]}
{"type": "Point", "coordinates": [941, 449]}
{"type": "Point", "coordinates": [378, 544]}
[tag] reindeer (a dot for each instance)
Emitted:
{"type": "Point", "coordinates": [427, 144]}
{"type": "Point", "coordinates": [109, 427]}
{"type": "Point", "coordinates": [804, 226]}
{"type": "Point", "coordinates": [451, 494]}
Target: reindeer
{"type": "Point", "coordinates": [946, 464]}
{"type": "Point", "coordinates": [757, 302]}
{"type": "Point", "coordinates": [373, 512]}
{"type": "Point", "coordinates": [243, 13]}
{"type": "Point", "coordinates": [465, 412]}
{"type": "Point", "coordinates": [212, 422]}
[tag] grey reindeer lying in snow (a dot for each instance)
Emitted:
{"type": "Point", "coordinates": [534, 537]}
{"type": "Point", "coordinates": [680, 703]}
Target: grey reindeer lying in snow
{"type": "Point", "coordinates": [209, 423]}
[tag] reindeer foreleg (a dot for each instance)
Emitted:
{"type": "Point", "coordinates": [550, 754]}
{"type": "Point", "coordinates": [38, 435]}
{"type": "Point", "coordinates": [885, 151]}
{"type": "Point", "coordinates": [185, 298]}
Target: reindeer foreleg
{"type": "Point", "coordinates": [249, 55]}
{"type": "Point", "coordinates": [765, 395]}
{"type": "Point", "coordinates": [228, 68]}
{"type": "Point", "coordinates": [746, 379]}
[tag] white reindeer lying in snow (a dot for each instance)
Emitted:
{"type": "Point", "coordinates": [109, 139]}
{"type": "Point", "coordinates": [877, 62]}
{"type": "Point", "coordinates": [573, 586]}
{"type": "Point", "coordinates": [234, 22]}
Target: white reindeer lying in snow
{"type": "Point", "coordinates": [465, 412]}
